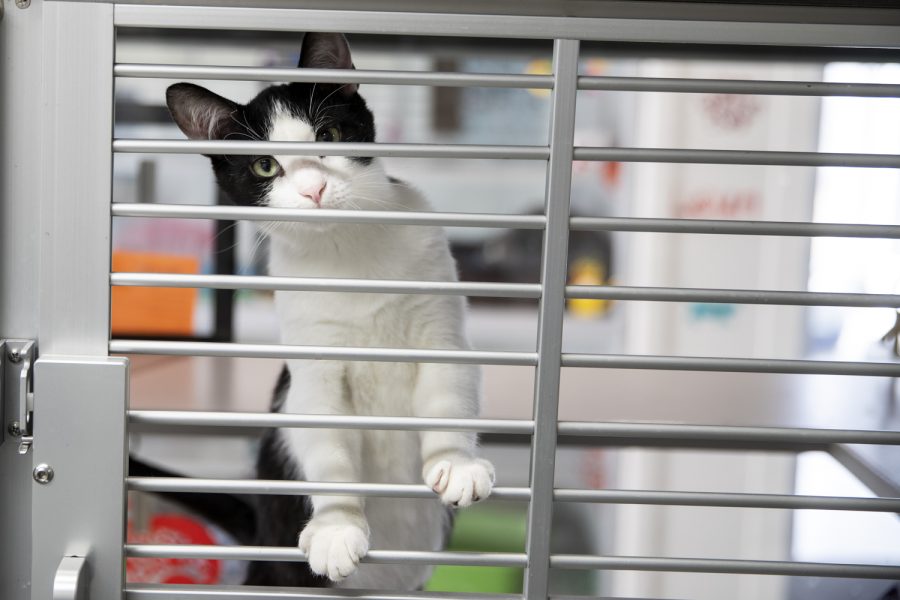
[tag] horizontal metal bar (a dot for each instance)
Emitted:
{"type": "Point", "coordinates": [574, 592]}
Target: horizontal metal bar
{"type": "Point", "coordinates": [515, 559]}
{"type": "Point", "coordinates": [296, 488]}
{"type": "Point", "coordinates": [153, 591]}
{"type": "Point", "coordinates": [738, 157]}
{"type": "Point", "coordinates": [260, 213]}
{"type": "Point", "coordinates": [501, 290]}
{"type": "Point", "coordinates": [321, 284]}
{"type": "Point", "coordinates": [470, 151]}
{"type": "Point", "coordinates": [481, 559]}
{"type": "Point", "coordinates": [510, 26]}
{"type": "Point", "coordinates": [710, 565]}
{"type": "Point", "coordinates": [184, 418]}
{"type": "Point", "coordinates": [722, 227]}
{"type": "Point", "coordinates": [660, 294]}
{"type": "Point", "coordinates": [637, 434]}
{"type": "Point", "coordinates": [502, 358]}
{"type": "Point", "coordinates": [728, 500]}
{"type": "Point", "coordinates": [738, 86]}
{"type": "Point", "coordinates": [732, 365]}
{"type": "Point", "coordinates": [255, 148]}
{"type": "Point", "coordinates": [500, 80]}
{"type": "Point", "coordinates": [322, 352]}
{"type": "Point", "coordinates": [503, 80]}
{"type": "Point", "coordinates": [629, 224]}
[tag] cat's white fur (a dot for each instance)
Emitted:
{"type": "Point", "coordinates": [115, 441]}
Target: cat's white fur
{"type": "Point", "coordinates": [343, 528]}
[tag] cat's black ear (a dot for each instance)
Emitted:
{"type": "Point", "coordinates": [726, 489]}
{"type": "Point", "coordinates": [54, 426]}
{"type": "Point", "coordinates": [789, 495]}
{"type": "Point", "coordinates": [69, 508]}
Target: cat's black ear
{"type": "Point", "coordinates": [327, 51]}
{"type": "Point", "coordinates": [199, 113]}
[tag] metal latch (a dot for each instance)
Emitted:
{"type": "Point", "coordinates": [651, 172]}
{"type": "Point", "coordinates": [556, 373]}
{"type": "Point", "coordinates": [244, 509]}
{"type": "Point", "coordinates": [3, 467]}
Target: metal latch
{"type": "Point", "coordinates": [71, 581]}
{"type": "Point", "coordinates": [17, 391]}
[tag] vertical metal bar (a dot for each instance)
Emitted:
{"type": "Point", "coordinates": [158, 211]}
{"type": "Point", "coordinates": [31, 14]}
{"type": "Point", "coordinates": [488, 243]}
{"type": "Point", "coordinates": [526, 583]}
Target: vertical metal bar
{"type": "Point", "coordinates": [20, 172]}
{"type": "Point", "coordinates": [550, 325]}
{"type": "Point", "coordinates": [79, 478]}
{"type": "Point", "coordinates": [77, 113]}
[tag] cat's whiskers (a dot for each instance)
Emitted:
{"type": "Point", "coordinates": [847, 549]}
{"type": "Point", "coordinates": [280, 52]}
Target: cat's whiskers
{"type": "Point", "coordinates": [239, 135]}
{"type": "Point", "coordinates": [265, 231]}
{"type": "Point", "coordinates": [371, 177]}
{"type": "Point", "coordinates": [322, 101]}
{"type": "Point", "coordinates": [361, 184]}
{"type": "Point", "coordinates": [378, 201]}
{"type": "Point", "coordinates": [219, 234]}
{"type": "Point", "coordinates": [312, 92]}
{"type": "Point", "coordinates": [251, 132]}
{"type": "Point", "coordinates": [321, 113]}
{"type": "Point", "coordinates": [261, 234]}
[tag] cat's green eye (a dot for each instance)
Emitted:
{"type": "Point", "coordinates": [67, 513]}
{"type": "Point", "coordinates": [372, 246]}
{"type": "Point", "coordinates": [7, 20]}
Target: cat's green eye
{"type": "Point", "coordinates": [332, 134]}
{"type": "Point", "coordinates": [266, 167]}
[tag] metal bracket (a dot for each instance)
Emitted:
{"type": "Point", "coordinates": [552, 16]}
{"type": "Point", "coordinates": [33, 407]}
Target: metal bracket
{"type": "Point", "coordinates": [17, 391]}
{"type": "Point", "coordinates": [71, 580]}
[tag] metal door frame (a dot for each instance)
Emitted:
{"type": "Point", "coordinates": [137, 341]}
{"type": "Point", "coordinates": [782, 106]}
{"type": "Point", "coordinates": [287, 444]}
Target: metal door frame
{"type": "Point", "coordinates": [57, 247]}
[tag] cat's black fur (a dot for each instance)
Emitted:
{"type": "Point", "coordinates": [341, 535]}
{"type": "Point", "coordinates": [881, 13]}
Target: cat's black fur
{"type": "Point", "coordinates": [323, 104]}
{"type": "Point", "coordinates": [259, 520]}
{"type": "Point", "coordinates": [349, 113]}
{"type": "Point", "coordinates": [274, 463]}
{"type": "Point", "coordinates": [233, 514]}
{"type": "Point", "coordinates": [266, 520]}
{"type": "Point", "coordinates": [263, 520]}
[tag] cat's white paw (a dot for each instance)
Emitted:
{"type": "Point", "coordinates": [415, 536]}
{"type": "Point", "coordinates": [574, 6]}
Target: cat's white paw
{"type": "Point", "coordinates": [333, 547]}
{"type": "Point", "coordinates": [461, 481]}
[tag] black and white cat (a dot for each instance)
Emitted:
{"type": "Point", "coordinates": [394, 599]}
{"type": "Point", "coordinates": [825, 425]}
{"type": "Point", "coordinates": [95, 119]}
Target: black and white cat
{"type": "Point", "coordinates": [337, 531]}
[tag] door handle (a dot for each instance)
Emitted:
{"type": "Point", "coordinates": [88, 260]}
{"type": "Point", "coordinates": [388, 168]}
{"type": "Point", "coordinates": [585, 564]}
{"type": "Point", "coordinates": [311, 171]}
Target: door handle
{"type": "Point", "coordinates": [71, 578]}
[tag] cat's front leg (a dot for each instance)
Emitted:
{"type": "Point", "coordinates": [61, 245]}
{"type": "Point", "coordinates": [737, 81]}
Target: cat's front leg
{"type": "Point", "coordinates": [337, 536]}
{"type": "Point", "coordinates": [450, 465]}
{"type": "Point", "coordinates": [334, 542]}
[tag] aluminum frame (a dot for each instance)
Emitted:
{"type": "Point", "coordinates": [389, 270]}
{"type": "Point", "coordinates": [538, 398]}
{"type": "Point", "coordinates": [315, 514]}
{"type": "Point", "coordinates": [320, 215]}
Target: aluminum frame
{"type": "Point", "coordinates": [510, 26]}
{"type": "Point", "coordinates": [80, 511]}
{"type": "Point", "coordinates": [77, 48]}
{"type": "Point", "coordinates": [20, 214]}
{"type": "Point", "coordinates": [551, 292]}
{"type": "Point", "coordinates": [550, 318]}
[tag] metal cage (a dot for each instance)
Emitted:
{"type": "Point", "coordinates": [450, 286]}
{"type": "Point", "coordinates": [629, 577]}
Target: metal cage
{"type": "Point", "coordinates": [64, 536]}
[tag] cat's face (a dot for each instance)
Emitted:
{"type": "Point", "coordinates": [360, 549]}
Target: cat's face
{"type": "Point", "coordinates": [297, 112]}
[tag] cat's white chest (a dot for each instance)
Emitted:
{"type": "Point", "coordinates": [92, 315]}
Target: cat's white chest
{"type": "Point", "coordinates": [367, 320]}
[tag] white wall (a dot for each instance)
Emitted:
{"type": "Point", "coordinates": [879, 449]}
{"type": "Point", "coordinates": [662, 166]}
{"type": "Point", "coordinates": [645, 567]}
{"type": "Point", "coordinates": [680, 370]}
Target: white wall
{"type": "Point", "coordinates": [714, 192]}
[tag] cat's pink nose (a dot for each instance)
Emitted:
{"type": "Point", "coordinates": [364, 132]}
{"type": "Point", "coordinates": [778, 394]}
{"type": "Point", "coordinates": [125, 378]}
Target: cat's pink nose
{"type": "Point", "coordinates": [314, 191]}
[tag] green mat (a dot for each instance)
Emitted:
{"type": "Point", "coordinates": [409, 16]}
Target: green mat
{"type": "Point", "coordinates": [489, 528]}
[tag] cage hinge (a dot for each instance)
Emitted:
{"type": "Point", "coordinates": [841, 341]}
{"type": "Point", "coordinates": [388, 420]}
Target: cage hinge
{"type": "Point", "coordinates": [17, 391]}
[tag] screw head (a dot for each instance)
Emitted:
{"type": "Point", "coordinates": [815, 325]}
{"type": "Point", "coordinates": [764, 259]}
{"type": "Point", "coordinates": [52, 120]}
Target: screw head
{"type": "Point", "coordinates": [14, 355]}
{"type": "Point", "coordinates": [23, 3]}
{"type": "Point", "coordinates": [15, 429]}
{"type": "Point", "coordinates": [43, 473]}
